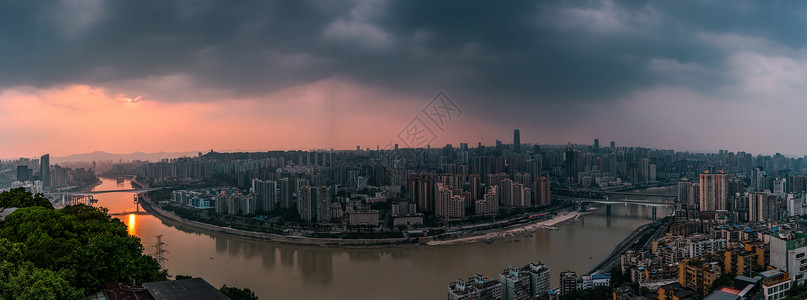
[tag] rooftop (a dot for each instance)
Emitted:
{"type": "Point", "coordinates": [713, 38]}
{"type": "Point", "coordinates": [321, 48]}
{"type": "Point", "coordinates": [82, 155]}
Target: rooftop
{"type": "Point", "coordinates": [721, 295]}
{"type": "Point", "coordinates": [193, 288]}
{"type": "Point", "coordinates": [770, 273]}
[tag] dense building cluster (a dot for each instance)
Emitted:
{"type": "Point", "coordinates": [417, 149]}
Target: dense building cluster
{"type": "Point", "coordinates": [40, 176]}
{"type": "Point", "coordinates": [526, 282]}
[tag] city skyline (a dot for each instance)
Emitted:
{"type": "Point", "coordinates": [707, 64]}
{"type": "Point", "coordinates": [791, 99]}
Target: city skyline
{"type": "Point", "coordinates": [153, 156]}
{"type": "Point", "coordinates": [87, 76]}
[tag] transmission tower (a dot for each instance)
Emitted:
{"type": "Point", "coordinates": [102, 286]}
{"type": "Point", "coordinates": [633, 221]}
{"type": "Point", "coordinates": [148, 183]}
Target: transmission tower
{"type": "Point", "coordinates": [160, 250]}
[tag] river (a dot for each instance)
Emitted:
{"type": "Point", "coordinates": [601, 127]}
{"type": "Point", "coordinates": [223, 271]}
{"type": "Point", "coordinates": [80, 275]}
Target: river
{"type": "Point", "coordinates": [296, 272]}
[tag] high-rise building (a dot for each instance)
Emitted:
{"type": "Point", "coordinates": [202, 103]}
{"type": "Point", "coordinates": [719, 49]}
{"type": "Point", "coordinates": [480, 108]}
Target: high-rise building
{"type": "Point", "coordinates": [305, 206]}
{"type": "Point", "coordinates": [44, 171]}
{"type": "Point", "coordinates": [421, 191]}
{"type": "Point", "coordinates": [797, 184]}
{"type": "Point", "coordinates": [758, 180]}
{"type": "Point", "coordinates": [522, 195]}
{"type": "Point", "coordinates": [323, 203]}
{"type": "Point", "coordinates": [265, 194]}
{"type": "Point", "coordinates": [24, 174]}
{"type": "Point", "coordinates": [506, 192]}
{"type": "Point", "coordinates": [523, 178]}
{"type": "Point", "coordinates": [541, 189]}
{"type": "Point", "coordinates": [713, 191]}
{"type": "Point", "coordinates": [489, 204]}
{"type": "Point", "coordinates": [779, 186]}
{"type": "Point", "coordinates": [572, 159]}
{"type": "Point", "coordinates": [516, 141]}
{"type": "Point", "coordinates": [475, 186]}
{"type": "Point", "coordinates": [285, 193]}
{"type": "Point", "coordinates": [447, 204]}
{"type": "Point", "coordinates": [683, 192]}
{"type": "Point", "coordinates": [763, 207]}
{"type": "Point", "coordinates": [315, 204]}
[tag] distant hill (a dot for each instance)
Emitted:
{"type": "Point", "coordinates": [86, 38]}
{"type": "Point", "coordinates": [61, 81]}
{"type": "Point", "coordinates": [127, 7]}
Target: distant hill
{"type": "Point", "coordinates": [101, 155]}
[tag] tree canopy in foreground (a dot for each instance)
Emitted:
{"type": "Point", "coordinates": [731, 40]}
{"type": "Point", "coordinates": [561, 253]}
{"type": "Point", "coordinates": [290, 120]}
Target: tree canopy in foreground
{"type": "Point", "coordinates": [67, 253]}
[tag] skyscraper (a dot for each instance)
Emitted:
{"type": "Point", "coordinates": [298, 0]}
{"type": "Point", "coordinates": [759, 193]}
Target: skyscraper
{"type": "Point", "coordinates": [517, 141]}
{"type": "Point", "coordinates": [596, 145]}
{"type": "Point", "coordinates": [713, 191]}
{"type": "Point", "coordinates": [44, 171]}
{"type": "Point", "coordinates": [572, 164]}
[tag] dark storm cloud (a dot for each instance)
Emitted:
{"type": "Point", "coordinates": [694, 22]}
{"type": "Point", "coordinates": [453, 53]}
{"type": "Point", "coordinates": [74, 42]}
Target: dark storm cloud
{"type": "Point", "coordinates": [520, 50]}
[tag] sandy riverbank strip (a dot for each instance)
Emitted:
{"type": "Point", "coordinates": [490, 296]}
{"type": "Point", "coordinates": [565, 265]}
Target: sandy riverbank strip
{"type": "Point", "coordinates": [502, 233]}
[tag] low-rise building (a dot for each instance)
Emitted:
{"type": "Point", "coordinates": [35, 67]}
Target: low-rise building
{"type": "Point", "coordinates": [700, 245]}
{"type": "Point", "coordinates": [515, 284]}
{"type": "Point", "coordinates": [364, 217]}
{"type": "Point", "coordinates": [477, 288]}
{"type": "Point", "coordinates": [740, 262]}
{"type": "Point", "coordinates": [595, 280]}
{"type": "Point", "coordinates": [775, 284]}
{"type": "Point", "coordinates": [568, 282]}
{"type": "Point", "coordinates": [698, 275]}
{"type": "Point", "coordinates": [675, 291]}
{"type": "Point", "coordinates": [408, 220]}
{"type": "Point", "coordinates": [539, 279]}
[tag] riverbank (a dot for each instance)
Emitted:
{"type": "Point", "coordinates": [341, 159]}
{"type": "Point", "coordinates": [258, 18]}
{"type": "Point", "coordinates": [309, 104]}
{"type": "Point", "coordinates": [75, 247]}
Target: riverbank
{"type": "Point", "coordinates": [174, 220]}
{"type": "Point", "coordinates": [481, 236]}
{"type": "Point", "coordinates": [88, 187]}
{"type": "Point", "coordinates": [511, 231]}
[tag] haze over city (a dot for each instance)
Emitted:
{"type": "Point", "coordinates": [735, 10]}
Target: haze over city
{"type": "Point", "coordinates": [120, 77]}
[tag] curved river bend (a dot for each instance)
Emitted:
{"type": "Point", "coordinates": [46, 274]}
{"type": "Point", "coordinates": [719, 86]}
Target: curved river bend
{"type": "Point", "coordinates": [297, 272]}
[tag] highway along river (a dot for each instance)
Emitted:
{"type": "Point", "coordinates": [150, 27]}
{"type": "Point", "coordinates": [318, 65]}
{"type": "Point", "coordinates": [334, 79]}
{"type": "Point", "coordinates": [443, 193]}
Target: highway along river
{"type": "Point", "coordinates": [296, 272]}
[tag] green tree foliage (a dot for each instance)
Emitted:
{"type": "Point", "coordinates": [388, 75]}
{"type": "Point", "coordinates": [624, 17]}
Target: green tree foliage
{"type": "Point", "coordinates": [67, 253]}
{"type": "Point", "coordinates": [238, 294]}
{"type": "Point", "coordinates": [19, 197]}
{"type": "Point", "coordinates": [25, 281]}
{"type": "Point", "coordinates": [725, 280]}
{"type": "Point", "coordinates": [618, 278]}
{"type": "Point", "coordinates": [180, 277]}
{"type": "Point", "coordinates": [797, 292]}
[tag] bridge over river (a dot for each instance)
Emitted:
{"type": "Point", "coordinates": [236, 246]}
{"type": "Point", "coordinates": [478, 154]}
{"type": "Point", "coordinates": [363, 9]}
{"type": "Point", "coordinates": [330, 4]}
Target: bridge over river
{"type": "Point", "coordinates": [608, 198]}
{"type": "Point", "coordinates": [71, 198]}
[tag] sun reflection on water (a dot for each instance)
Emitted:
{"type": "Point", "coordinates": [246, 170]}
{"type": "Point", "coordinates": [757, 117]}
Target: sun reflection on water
{"type": "Point", "coordinates": [131, 225]}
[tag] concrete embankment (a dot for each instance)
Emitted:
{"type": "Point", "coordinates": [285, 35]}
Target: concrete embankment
{"type": "Point", "coordinates": [511, 231]}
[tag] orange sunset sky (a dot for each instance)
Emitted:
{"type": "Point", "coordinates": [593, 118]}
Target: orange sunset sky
{"type": "Point", "coordinates": [120, 77]}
